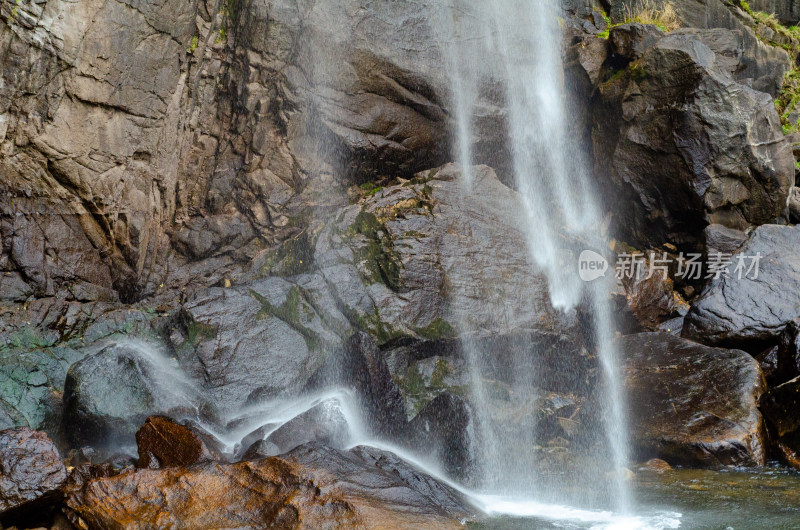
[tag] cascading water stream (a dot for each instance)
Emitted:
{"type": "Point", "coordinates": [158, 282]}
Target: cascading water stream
{"type": "Point", "coordinates": [518, 46]}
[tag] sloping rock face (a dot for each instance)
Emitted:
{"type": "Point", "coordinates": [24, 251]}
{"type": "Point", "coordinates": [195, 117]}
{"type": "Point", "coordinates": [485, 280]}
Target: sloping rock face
{"type": "Point", "coordinates": [682, 144]}
{"type": "Point", "coordinates": [107, 396]}
{"type": "Point", "coordinates": [382, 266]}
{"type": "Point", "coordinates": [362, 366]}
{"type": "Point", "coordinates": [691, 404]}
{"type": "Point", "coordinates": [136, 137]}
{"type": "Point", "coordinates": [41, 339]}
{"type": "Point", "coordinates": [311, 487]}
{"type": "Point", "coordinates": [31, 470]}
{"type": "Point", "coordinates": [727, 30]}
{"type": "Point", "coordinates": [752, 311]}
{"type": "Point", "coordinates": [787, 11]}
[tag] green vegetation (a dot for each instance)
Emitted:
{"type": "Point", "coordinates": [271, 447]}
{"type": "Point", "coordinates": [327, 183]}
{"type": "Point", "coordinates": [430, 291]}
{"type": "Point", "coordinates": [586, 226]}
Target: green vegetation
{"type": "Point", "coordinates": [294, 256]}
{"type": "Point", "coordinates": [228, 15]}
{"type": "Point", "coordinates": [14, 11]}
{"type": "Point", "coordinates": [420, 391]}
{"type": "Point", "coordinates": [370, 188]}
{"type": "Point", "coordinates": [605, 33]}
{"type": "Point", "coordinates": [192, 45]}
{"type": "Point", "coordinates": [788, 100]}
{"type": "Point", "coordinates": [787, 38]}
{"type": "Point", "coordinates": [198, 331]}
{"type": "Point", "coordinates": [437, 329]}
{"type": "Point", "coordinates": [663, 16]}
{"type": "Point", "coordinates": [378, 254]}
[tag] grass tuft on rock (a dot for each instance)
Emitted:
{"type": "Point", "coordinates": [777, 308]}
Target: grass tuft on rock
{"type": "Point", "coordinates": [661, 15]}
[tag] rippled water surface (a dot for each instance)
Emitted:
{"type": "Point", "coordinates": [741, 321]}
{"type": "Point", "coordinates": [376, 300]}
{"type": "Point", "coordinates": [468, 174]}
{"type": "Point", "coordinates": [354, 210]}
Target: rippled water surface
{"type": "Point", "coordinates": [680, 498]}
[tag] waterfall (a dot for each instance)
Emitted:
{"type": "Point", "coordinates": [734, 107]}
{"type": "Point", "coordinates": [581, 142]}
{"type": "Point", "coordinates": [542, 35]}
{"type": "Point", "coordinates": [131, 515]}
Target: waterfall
{"type": "Point", "coordinates": [514, 48]}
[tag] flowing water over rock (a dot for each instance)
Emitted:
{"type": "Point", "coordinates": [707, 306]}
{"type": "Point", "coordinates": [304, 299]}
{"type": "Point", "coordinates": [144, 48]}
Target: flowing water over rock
{"type": "Point", "coordinates": [512, 49]}
{"type": "Point", "coordinates": [328, 269]}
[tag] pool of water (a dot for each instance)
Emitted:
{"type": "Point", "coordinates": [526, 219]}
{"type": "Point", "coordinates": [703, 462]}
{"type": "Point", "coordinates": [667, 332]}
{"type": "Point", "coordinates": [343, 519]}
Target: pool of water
{"type": "Point", "coordinates": [767, 498]}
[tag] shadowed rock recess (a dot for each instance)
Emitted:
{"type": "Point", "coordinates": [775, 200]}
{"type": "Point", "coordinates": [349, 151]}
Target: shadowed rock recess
{"type": "Point", "coordinates": [241, 276]}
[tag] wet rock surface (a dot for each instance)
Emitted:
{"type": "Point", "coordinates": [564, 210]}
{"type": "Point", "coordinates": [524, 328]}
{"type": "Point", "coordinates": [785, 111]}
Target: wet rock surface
{"type": "Point", "coordinates": [679, 416]}
{"type": "Point", "coordinates": [253, 177]}
{"type": "Point", "coordinates": [109, 395]}
{"type": "Point", "coordinates": [163, 443]}
{"type": "Point", "coordinates": [324, 423]}
{"type": "Point", "coordinates": [444, 428]}
{"type": "Point", "coordinates": [311, 487]}
{"type": "Point", "coordinates": [360, 365]}
{"type": "Point", "coordinates": [651, 298]}
{"type": "Point", "coordinates": [31, 471]}
{"type": "Point", "coordinates": [753, 310]}
{"type": "Point", "coordinates": [663, 184]}
{"type": "Point", "coordinates": [381, 266]}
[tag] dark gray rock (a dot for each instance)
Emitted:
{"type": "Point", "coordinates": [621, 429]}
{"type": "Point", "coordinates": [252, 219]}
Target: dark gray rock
{"type": "Point", "coordinates": [676, 415]}
{"type": "Point", "coordinates": [788, 352]}
{"type": "Point", "coordinates": [747, 311]}
{"type": "Point", "coordinates": [389, 259]}
{"type": "Point", "coordinates": [794, 206]}
{"type": "Point", "coordinates": [31, 384]}
{"type": "Point", "coordinates": [787, 11]}
{"type": "Point", "coordinates": [760, 65]}
{"type": "Point", "coordinates": [360, 366]}
{"type": "Point", "coordinates": [768, 361]}
{"type": "Point", "coordinates": [439, 493]}
{"type": "Point", "coordinates": [31, 471]}
{"type": "Point", "coordinates": [444, 428]}
{"type": "Point", "coordinates": [653, 301]}
{"type": "Point", "coordinates": [718, 157]}
{"type": "Point", "coordinates": [109, 395]}
{"type": "Point", "coordinates": [371, 466]}
{"type": "Point", "coordinates": [720, 239]}
{"type": "Point", "coordinates": [263, 339]}
{"type": "Point", "coordinates": [407, 263]}
{"type": "Point", "coordinates": [630, 41]}
{"type": "Point", "coordinates": [324, 423]}
{"type": "Point", "coordinates": [13, 287]}
{"type": "Point", "coordinates": [781, 404]}
{"type": "Point", "coordinates": [260, 449]}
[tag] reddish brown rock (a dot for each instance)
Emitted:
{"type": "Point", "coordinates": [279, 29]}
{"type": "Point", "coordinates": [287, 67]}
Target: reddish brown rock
{"type": "Point", "coordinates": [31, 471]}
{"type": "Point", "coordinates": [692, 404]}
{"type": "Point", "coordinates": [164, 443]}
{"type": "Point", "coordinates": [656, 465]}
{"type": "Point", "coordinates": [339, 490]}
{"type": "Point", "coordinates": [651, 297]}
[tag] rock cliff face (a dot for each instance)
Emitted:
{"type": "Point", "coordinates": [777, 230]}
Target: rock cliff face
{"type": "Point", "coordinates": [140, 137]}
{"type": "Point", "coordinates": [261, 195]}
